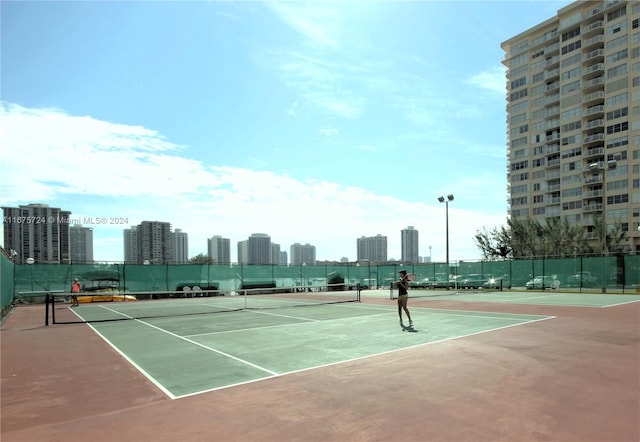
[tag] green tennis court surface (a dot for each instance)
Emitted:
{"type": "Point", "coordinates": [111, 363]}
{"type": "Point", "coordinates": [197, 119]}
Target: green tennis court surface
{"type": "Point", "coordinates": [186, 355]}
{"type": "Point", "coordinates": [535, 297]}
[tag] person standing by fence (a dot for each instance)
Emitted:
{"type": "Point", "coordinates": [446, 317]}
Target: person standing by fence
{"type": "Point", "coordinates": [75, 289]}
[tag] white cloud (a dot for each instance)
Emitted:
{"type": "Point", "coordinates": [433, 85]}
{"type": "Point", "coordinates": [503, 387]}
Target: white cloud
{"type": "Point", "coordinates": [492, 79]}
{"type": "Point", "coordinates": [319, 24]}
{"type": "Point", "coordinates": [99, 169]}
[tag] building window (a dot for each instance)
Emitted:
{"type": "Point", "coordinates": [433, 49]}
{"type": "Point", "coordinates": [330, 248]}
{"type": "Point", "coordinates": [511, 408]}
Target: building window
{"type": "Point", "coordinates": [618, 70]}
{"type": "Point", "coordinates": [617, 56]}
{"type": "Point", "coordinates": [617, 142]}
{"type": "Point", "coordinates": [618, 113]}
{"type": "Point", "coordinates": [518, 95]}
{"type": "Point", "coordinates": [518, 83]}
{"type": "Point", "coordinates": [617, 14]}
{"type": "Point", "coordinates": [618, 199]}
{"type": "Point", "coordinates": [571, 33]}
{"type": "Point", "coordinates": [620, 127]}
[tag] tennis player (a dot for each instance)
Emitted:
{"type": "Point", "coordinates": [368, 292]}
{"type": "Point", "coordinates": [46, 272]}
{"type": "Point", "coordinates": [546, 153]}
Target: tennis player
{"type": "Point", "coordinates": [403, 296]}
{"type": "Point", "coordinates": [75, 289]}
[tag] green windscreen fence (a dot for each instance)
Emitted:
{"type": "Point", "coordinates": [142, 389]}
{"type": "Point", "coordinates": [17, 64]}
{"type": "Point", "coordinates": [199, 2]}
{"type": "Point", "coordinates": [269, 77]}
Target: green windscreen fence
{"type": "Point", "coordinates": [30, 283]}
{"type": "Point", "coordinates": [6, 284]}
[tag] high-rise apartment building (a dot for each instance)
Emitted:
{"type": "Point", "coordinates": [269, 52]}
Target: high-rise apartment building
{"type": "Point", "coordinates": [259, 250]}
{"type": "Point", "coordinates": [275, 253]}
{"type": "Point", "coordinates": [180, 247]}
{"type": "Point", "coordinates": [573, 113]}
{"type": "Point", "coordinates": [130, 238]}
{"type": "Point", "coordinates": [243, 252]}
{"type": "Point", "coordinates": [37, 231]}
{"type": "Point", "coordinates": [219, 249]}
{"type": "Point", "coordinates": [303, 254]}
{"type": "Point", "coordinates": [149, 242]}
{"type": "Point", "coordinates": [372, 248]}
{"type": "Point", "coordinates": [81, 244]}
{"type": "Point", "coordinates": [409, 244]}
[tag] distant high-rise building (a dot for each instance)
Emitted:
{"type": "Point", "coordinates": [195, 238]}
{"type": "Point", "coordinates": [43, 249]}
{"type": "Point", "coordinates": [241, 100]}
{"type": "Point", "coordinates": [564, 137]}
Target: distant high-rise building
{"type": "Point", "coordinates": [259, 249]}
{"type": "Point", "coordinates": [180, 247]}
{"type": "Point", "coordinates": [149, 242]}
{"type": "Point", "coordinates": [409, 242]}
{"type": "Point", "coordinates": [303, 254]}
{"type": "Point", "coordinates": [219, 249]}
{"type": "Point", "coordinates": [275, 253]}
{"type": "Point", "coordinates": [81, 244]}
{"type": "Point", "coordinates": [243, 252]}
{"type": "Point", "coordinates": [130, 237]}
{"type": "Point", "coordinates": [284, 258]}
{"type": "Point", "coordinates": [37, 231]}
{"type": "Point", "coordinates": [573, 121]}
{"type": "Point", "coordinates": [372, 248]}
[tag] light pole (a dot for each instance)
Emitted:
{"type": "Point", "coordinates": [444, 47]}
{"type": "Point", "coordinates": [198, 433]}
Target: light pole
{"type": "Point", "coordinates": [446, 203]}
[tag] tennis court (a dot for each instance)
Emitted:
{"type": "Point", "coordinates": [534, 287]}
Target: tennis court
{"type": "Point", "coordinates": [194, 353]}
{"type": "Point", "coordinates": [474, 367]}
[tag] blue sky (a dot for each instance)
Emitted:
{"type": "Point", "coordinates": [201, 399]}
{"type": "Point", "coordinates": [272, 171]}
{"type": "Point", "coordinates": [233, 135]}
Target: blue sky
{"type": "Point", "coordinates": [316, 122]}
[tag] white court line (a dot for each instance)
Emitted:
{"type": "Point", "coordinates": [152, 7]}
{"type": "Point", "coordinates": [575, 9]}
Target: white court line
{"type": "Point", "coordinates": [272, 374]}
{"type": "Point", "coordinates": [620, 303]}
{"type": "Point", "coordinates": [133, 363]}
{"type": "Point", "coordinates": [364, 357]}
{"type": "Point", "coordinates": [148, 376]}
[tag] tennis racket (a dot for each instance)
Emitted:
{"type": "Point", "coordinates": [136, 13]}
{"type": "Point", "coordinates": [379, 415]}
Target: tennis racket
{"type": "Point", "coordinates": [411, 277]}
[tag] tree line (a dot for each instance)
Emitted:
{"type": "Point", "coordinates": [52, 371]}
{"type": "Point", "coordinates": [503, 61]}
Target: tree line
{"type": "Point", "coordinates": [530, 238]}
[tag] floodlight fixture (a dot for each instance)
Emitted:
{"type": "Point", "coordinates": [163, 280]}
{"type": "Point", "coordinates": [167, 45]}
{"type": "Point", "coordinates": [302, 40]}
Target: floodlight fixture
{"type": "Point", "coordinates": [446, 202]}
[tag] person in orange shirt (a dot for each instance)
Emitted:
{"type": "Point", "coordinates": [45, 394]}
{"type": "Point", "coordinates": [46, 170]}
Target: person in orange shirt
{"type": "Point", "coordinates": [75, 289]}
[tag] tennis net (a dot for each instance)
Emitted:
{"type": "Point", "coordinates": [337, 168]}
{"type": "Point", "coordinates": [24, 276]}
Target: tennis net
{"type": "Point", "coordinates": [114, 306]}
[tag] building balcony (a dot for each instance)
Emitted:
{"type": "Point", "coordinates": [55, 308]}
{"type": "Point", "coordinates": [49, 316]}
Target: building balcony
{"type": "Point", "coordinates": [593, 152]}
{"type": "Point", "coordinates": [552, 99]}
{"type": "Point", "coordinates": [593, 179]}
{"type": "Point", "coordinates": [553, 48]}
{"type": "Point", "coordinates": [595, 27]}
{"type": "Point", "coordinates": [593, 70]}
{"type": "Point", "coordinates": [594, 138]}
{"type": "Point", "coordinates": [593, 97]}
{"type": "Point", "coordinates": [595, 207]}
{"type": "Point", "coordinates": [553, 188]}
{"type": "Point", "coordinates": [553, 163]}
{"type": "Point", "coordinates": [552, 62]}
{"type": "Point", "coordinates": [595, 123]}
{"type": "Point", "coordinates": [595, 110]}
{"type": "Point", "coordinates": [592, 193]}
{"type": "Point", "coordinates": [589, 86]}
{"type": "Point", "coordinates": [552, 88]}
{"type": "Point", "coordinates": [552, 74]}
{"type": "Point", "coordinates": [596, 56]}
{"type": "Point", "coordinates": [552, 148]}
{"type": "Point", "coordinates": [592, 42]}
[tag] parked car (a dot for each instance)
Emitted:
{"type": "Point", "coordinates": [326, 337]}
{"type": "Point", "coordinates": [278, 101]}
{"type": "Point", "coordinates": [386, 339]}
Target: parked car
{"type": "Point", "coordinates": [472, 281]}
{"type": "Point", "coordinates": [442, 282]}
{"type": "Point", "coordinates": [582, 279]}
{"type": "Point", "coordinates": [542, 282]}
{"type": "Point", "coordinates": [498, 282]}
{"type": "Point", "coordinates": [421, 284]}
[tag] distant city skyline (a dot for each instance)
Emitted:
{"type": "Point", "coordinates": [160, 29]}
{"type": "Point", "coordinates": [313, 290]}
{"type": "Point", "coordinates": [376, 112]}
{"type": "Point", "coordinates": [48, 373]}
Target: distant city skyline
{"type": "Point", "coordinates": [156, 242]}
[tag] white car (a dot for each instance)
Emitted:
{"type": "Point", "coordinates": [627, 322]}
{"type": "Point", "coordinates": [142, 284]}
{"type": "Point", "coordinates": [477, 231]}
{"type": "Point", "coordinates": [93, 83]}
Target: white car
{"type": "Point", "coordinates": [542, 282]}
